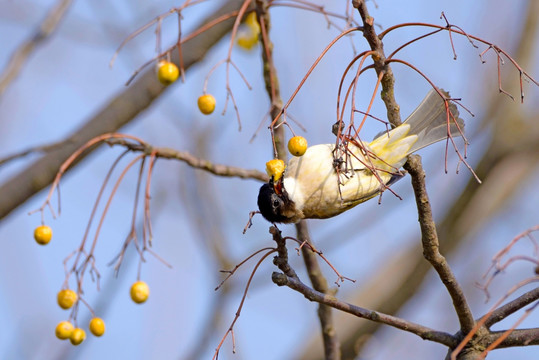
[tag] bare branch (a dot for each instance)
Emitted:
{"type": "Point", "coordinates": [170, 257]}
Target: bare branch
{"type": "Point", "coordinates": [428, 228]}
{"type": "Point", "coordinates": [431, 246]}
{"type": "Point", "coordinates": [119, 111]}
{"type": "Point", "coordinates": [289, 278]}
{"type": "Point", "coordinates": [313, 295]}
{"type": "Point", "coordinates": [518, 337]}
{"type": "Point", "coordinates": [193, 161]}
{"type": "Point", "coordinates": [329, 333]}
{"type": "Point", "coordinates": [504, 311]}
{"type": "Point", "coordinates": [388, 80]}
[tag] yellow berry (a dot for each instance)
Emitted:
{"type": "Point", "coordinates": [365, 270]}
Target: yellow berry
{"type": "Point", "coordinates": [167, 72]}
{"type": "Point", "coordinates": [247, 41]}
{"type": "Point", "coordinates": [275, 168]}
{"type": "Point", "coordinates": [252, 22]}
{"type": "Point", "coordinates": [66, 298]}
{"type": "Point", "coordinates": [43, 234]}
{"type": "Point", "coordinates": [97, 326]}
{"type": "Point", "coordinates": [77, 336]}
{"type": "Point", "coordinates": [206, 104]}
{"type": "Point", "coordinates": [140, 292]}
{"type": "Point", "coordinates": [249, 37]}
{"type": "Point", "coordinates": [297, 145]}
{"type": "Point", "coordinates": [64, 329]}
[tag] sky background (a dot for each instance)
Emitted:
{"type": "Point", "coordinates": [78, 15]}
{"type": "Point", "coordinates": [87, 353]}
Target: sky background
{"type": "Point", "coordinates": [68, 79]}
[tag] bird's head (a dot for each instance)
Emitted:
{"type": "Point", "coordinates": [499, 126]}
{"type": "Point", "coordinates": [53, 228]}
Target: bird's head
{"type": "Point", "coordinates": [274, 203]}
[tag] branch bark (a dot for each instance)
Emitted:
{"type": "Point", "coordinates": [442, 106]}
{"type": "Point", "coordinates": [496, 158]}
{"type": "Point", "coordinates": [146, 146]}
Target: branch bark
{"type": "Point", "coordinates": [428, 228]}
{"type": "Point", "coordinates": [329, 337]}
{"type": "Point", "coordinates": [193, 161]}
{"type": "Point", "coordinates": [511, 307]}
{"type": "Point", "coordinates": [431, 245]}
{"type": "Point", "coordinates": [332, 346]}
{"type": "Point", "coordinates": [506, 166]}
{"type": "Point", "coordinates": [313, 295]}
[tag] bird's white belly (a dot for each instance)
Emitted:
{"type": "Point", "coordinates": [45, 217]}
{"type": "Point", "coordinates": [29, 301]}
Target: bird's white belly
{"type": "Point", "coordinates": [312, 183]}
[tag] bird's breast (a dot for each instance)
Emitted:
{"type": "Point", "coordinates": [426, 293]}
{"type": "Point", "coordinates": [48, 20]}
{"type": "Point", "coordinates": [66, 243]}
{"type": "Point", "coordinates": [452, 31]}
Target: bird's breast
{"type": "Point", "coordinates": [320, 191]}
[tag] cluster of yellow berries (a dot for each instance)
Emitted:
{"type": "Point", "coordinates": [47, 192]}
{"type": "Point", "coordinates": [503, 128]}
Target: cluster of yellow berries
{"type": "Point", "coordinates": [65, 330]}
{"type": "Point", "coordinates": [168, 72]}
{"type": "Point", "coordinates": [67, 298]}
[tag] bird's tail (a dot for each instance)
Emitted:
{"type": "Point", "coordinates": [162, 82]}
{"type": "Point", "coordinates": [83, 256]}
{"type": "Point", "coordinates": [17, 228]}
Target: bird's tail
{"type": "Point", "coordinates": [426, 125]}
{"type": "Point", "coordinates": [429, 121]}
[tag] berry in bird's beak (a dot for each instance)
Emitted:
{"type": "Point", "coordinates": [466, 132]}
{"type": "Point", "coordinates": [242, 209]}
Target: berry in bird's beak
{"type": "Point", "coordinates": [275, 169]}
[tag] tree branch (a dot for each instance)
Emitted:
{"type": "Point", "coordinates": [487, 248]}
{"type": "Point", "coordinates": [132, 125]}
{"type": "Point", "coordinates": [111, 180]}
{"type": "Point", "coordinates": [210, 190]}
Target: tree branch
{"type": "Point", "coordinates": [431, 245]}
{"type": "Point", "coordinates": [518, 337]}
{"type": "Point", "coordinates": [428, 228]}
{"type": "Point", "coordinates": [388, 80]}
{"type": "Point", "coordinates": [118, 112]}
{"type": "Point", "coordinates": [23, 52]}
{"type": "Point", "coordinates": [511, 307]}
{"type": "Point", "coordinates": [289, 278]}
{"type": "Point", "coordinates": [313, 295]}
{"type": "Point", "coordinates": [331, 342]}
{"type": "Point", "coordinates": [191, 160]}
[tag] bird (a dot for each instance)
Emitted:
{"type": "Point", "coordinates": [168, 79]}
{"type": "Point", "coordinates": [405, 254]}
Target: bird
{"type": "Point", "coordinates": [330, 179]}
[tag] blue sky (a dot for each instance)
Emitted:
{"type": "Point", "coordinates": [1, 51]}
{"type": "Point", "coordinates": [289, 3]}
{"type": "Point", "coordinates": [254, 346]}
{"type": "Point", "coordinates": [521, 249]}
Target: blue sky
{"type": "Point", "coordinates": [68, 79]}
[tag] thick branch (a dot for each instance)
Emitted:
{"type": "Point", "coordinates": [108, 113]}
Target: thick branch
{"type": "Point", "coordinates": [518, 337]}
{"type": "Point", "coordinates": [331, 344]}
{"type": "Point", "coordinates": [313, 295]}
{"type": "Point", "coordinates": [289, 278]}
{"type": "Point", "coordinates": [428, 228]}
{"type": "Point", "coordinates": [119, 111]}
{"type": "Point", "coordinates": [431, 245]}
{"type": "Point", "coordinates": [388, 80]}
{"type": "Point", "coordinates": [511, 307]}
{"type": "Point", "coordinates": [505, 168]}
{"type": "Point", "coordinates": [271, 80]}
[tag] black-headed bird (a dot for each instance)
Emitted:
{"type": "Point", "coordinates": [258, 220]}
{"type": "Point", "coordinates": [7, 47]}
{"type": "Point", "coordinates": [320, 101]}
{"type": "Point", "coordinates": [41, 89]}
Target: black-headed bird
{"type": "Point", "coordinates": [327, 181]}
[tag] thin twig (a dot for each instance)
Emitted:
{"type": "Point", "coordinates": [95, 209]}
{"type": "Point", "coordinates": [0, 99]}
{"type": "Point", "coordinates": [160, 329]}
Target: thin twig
{"type": "Point", "coordinates": [193, 161]}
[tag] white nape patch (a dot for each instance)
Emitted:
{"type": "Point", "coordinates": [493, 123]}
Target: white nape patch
{"type": "Point", "coordinates": [294, 192]}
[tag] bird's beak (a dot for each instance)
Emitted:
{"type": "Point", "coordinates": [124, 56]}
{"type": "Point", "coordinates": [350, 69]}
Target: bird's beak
{"type": "Point", "coordinates": [277, 185]}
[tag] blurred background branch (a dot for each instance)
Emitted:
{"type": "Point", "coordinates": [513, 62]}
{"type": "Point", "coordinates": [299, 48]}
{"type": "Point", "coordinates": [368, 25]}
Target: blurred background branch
{"type": "Point", "coordinates": [27, 47]}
